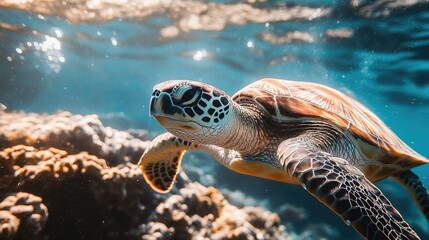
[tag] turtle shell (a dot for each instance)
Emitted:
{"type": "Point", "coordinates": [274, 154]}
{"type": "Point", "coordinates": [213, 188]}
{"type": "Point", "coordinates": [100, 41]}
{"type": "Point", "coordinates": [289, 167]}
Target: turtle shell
{"type": "Point", "coordinates": [285, 100]}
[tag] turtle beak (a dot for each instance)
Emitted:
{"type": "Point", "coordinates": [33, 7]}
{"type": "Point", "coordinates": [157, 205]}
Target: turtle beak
{"type": "Point", "coordinates": [152, 106]}
{"type": "Point", "coordinates": [157, 104]}
{"type": "Point", "coordinates": [162, 105]}
{"type": "Point", "coordinates": [169, 115]}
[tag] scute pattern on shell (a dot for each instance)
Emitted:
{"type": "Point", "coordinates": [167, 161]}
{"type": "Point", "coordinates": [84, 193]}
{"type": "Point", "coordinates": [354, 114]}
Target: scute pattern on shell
{"type": "Point", "coordinates": [287, 100]}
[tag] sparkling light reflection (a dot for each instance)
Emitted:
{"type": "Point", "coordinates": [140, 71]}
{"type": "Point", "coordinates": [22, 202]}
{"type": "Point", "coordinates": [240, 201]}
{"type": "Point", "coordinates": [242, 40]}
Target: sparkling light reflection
{"type": "Point", "coordinates": [113, 41]}
{"type": "Point", "coordinates": [58, 33]}
{"type": "Point", "coordinates": [200, 54]}
{"type": "Point", "coordinates": [51, 49]}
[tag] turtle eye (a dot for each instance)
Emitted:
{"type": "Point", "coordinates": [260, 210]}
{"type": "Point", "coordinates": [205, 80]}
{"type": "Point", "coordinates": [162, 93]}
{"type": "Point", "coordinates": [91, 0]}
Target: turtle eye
{"type": "Point", "coordinates": [188, 95]}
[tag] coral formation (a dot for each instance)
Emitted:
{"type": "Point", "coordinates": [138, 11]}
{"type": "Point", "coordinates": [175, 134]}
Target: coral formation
{"type": "Point", "coordinates": [59, 194]}
{"type": "Point", "coordinates": [9, 225]}
{"type": "Point", "coordinates": [22, 215]}
{"type": "Point", "coordinates": [75, 133]}
{"type": "Point", "coordinates": [203, 213]}
{"type": "Point", "coordinates": [80, 190]}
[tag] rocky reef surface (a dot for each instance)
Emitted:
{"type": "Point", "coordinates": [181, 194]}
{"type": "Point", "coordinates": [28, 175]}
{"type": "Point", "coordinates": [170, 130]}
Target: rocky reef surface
{"type": "Point", "coordinates": [65, 176]}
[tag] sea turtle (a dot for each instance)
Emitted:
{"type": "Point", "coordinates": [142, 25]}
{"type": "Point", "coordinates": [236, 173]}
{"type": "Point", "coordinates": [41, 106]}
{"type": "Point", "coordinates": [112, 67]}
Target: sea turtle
{"type": "Point", "coordinates": [294, 132]}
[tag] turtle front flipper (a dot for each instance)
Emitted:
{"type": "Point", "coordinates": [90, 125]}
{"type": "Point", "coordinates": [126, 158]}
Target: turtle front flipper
{"type": "Point", "coordinates": [416, 189]}
{"type": "Point", "coordinates": [344, 189]}
{"type": "Point", "coordinates": [161, 161]}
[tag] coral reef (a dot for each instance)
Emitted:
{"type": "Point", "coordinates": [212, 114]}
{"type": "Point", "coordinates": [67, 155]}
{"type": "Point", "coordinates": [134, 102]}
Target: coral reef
{"type": "Point", "coordinates": [48, 192]}
{"type": "Point", "coordinates": [75, 133]}
{"type": "Point", "coordinates": [22, 215]}
{"type": "Point", "coordinates": [198, 212]}
{"type": "Point", "coordinates": [9, 225]}
{"type": "Point", "coordinates": [203, 212]}
{"type": "Point", "coordinates": [79, 190]}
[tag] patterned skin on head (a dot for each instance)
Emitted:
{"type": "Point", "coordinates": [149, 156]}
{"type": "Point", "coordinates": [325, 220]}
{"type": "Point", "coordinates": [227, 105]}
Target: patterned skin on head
{"type": "Point", "coordinates": [191, 104]}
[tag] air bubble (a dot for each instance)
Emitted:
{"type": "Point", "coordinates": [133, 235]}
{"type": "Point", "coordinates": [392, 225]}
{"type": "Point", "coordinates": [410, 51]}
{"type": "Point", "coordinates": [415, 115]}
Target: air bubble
{"type": "Point", "coordinates": [348, 223]}
{"type": "Point", "coordinates": [58, 33]}
{"type": "Point", "coordinates": [113, 41]}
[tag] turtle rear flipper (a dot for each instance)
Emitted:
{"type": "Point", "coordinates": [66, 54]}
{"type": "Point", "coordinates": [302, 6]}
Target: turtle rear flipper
{"type": "Point", "coordinates": [161, 161]}
{"type": "Point", "coordinates": [416, 189]}
{"type": "Point", "coordinates": [344, 189]}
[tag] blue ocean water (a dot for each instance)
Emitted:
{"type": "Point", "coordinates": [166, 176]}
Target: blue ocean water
{"type": "Point", "coordinates": [108, 67]}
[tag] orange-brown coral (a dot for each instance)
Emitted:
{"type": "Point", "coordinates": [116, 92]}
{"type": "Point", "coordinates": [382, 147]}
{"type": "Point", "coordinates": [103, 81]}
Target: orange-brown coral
{"type": "Point", "coordinates": [198, 212]}
{"type": "Point", "coordinates": [88, 198]}
{"type": "Point", "coordinates": [75, 133]}
{"type": "Point", "coordinates": [80, 190]}
{"type": "Point", "coordinates": [9, 225]}
{"type": "Point", "coordinates": [22, 215]}
{"type": "Point", "coordinates": [116, 200]}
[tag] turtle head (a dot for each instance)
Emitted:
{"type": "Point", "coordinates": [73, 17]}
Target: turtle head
{"type": "Point", "coordinates": [190, 110]}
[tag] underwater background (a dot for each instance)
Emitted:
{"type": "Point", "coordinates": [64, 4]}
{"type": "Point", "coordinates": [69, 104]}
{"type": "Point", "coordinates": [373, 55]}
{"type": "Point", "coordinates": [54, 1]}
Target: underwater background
{"type": "Point", "coordinates": [103, 57]}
